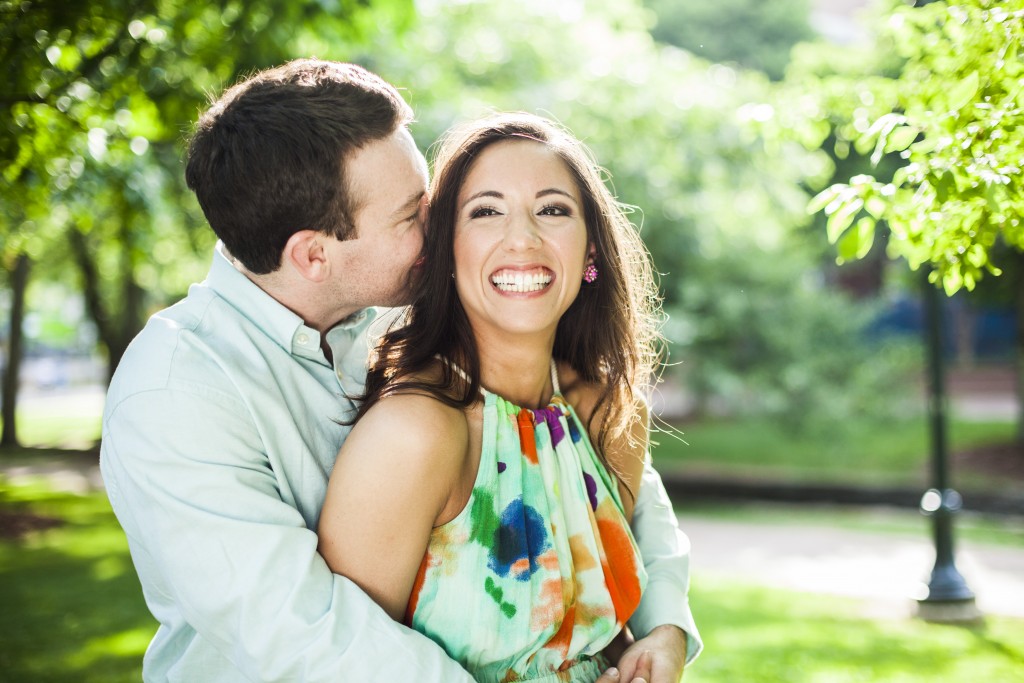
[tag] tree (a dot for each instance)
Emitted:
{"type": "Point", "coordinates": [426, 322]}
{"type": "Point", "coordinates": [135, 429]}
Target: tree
{"type": "Point", "coordinates": [19, 281]}
{"type": "Point", "coordinates": [95, 99]}
{"type": "Point", "coordinates": [954, 113]}
{"type": "Point", "coordinates": [748, 33]}
{"type": "Point", "coordinates": [721, 206]}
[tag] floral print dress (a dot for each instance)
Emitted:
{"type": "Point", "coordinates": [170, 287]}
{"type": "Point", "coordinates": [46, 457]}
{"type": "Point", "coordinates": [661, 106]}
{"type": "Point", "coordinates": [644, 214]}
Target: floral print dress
{"type": "Point", "coordinates": [539, 571]}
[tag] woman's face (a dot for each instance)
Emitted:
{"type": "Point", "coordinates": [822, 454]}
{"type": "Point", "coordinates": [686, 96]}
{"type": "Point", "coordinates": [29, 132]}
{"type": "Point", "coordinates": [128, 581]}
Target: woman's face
{"type": "Point", "coordinates": [520, 240]}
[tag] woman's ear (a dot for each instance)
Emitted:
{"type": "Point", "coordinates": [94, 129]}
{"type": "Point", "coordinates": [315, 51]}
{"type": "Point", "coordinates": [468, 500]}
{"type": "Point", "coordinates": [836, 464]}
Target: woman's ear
{"type": "Point", "coordinates": [306, 254]}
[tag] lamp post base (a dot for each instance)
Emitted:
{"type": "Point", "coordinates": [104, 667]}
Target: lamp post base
{"type": "Point", "coordinates": [963, 612]}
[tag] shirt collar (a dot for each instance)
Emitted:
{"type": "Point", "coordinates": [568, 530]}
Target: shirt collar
{"type": "Point", "coordinates": [275, 319]}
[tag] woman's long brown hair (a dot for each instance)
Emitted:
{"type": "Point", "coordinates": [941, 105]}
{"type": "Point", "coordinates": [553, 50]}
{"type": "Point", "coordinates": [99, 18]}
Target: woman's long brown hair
{"type": "Point", "coordinates": [610, 333]}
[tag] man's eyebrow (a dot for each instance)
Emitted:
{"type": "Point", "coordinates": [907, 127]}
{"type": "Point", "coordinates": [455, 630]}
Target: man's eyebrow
{"type": "Point", "coordinates": [411, 204]}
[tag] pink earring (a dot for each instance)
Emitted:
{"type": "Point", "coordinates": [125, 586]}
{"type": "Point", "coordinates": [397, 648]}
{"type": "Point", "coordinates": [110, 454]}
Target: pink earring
{"type": "Point", "coordinates": [590, 273]}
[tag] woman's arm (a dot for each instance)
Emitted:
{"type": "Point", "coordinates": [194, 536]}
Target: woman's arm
{"type": "Point", "coordinates": [392, 482]}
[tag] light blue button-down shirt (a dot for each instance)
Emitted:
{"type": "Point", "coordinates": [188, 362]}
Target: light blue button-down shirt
{"type": "Point", "coordinates": [221, 427]}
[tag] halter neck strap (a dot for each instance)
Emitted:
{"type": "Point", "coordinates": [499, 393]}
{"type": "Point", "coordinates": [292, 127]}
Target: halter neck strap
{"type": "Point", "coordinates": [460, 372]}
{"type": "Point", "coordinates": [556, 389]}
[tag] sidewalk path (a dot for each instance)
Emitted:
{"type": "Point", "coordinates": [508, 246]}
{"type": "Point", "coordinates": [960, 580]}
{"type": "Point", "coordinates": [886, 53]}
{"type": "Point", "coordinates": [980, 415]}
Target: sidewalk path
{"type": "Point", "coordinates": [887, 570]}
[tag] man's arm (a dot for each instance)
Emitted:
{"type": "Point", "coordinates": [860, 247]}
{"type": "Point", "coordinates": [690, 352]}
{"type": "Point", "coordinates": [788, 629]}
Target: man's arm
{"type": "Point", "coordinates": [218, 547]}
{"type": "Point", "coordinates": [666, 553]}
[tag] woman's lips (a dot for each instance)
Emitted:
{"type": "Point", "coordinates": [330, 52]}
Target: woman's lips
{"type": "Point", "coordinates": [518, 281]}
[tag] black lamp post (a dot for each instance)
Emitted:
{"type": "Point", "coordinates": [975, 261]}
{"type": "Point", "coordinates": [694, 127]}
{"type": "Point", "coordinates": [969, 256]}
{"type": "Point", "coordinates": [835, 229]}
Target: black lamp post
{"type": "Point", "coordinates": [948, 598]}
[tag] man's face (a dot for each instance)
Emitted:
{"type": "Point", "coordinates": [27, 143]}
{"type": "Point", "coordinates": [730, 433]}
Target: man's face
{"type": "Point", "coordinates": [388, 184]}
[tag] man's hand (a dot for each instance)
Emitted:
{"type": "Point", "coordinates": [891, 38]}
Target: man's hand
{"type": "Point", "coordinates": [641, 673]}
{"type": "Point", "coordinates": [658, 658]}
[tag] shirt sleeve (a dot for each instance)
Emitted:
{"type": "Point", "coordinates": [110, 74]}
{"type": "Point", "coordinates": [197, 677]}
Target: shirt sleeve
{"type": "Point", "coordinates": [219, 549]}
{"type": "Point", "coordinates": [666, 553]}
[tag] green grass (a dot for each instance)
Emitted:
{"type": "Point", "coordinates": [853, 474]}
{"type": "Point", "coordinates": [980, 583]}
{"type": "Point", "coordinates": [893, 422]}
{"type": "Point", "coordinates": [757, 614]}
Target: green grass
{"type": "Point", "coordinates": [73, 608]}
{"type": "Point", "coordinates": [890, 453]}
{"type": "Point", "coordinates": [770, 636]}
{"type": "Point", "coordinates": [73, 612]}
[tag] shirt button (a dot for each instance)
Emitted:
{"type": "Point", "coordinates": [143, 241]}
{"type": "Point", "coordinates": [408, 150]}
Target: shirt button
{"type": "Point", "coordinates": [303, 338]}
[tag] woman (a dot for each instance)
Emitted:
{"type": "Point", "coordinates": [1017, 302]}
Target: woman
{"type": "Point", "coordinates": [470, 503]}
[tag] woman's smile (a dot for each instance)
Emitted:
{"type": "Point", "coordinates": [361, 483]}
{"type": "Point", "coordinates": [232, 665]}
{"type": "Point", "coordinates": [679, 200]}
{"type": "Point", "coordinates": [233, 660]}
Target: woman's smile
{"type": "Point", "coordinates": [522, 281]}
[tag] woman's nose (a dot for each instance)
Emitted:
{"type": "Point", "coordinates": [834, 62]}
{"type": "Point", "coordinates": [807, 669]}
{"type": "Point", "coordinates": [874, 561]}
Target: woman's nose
{"type": "Point", "coordinates": [521, 232]}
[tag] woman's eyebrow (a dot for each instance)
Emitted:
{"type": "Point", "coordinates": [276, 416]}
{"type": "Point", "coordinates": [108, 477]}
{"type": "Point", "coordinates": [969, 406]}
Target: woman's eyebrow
{"type": "Point", "coordinates": [478, 195]}
{"type": "Point", "coordinates": [555, 190]}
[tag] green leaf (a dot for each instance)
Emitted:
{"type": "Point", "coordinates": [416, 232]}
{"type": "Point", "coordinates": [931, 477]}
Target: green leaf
{"type": "Point", "coordinates": [883, 127]}
{"type": "Point", "coordinates": [822, 199]}
{"type": "Point", "coordinates": [993, 198]}
{"type": "Point", "coordinates": [856, 243]}
{"type": "Point", "coordinates": [839, 221]}
{"type": "Point", "coordinates": [876, 206]}
{"type": "Point", "coordinates": [963, 92]}
{"type": "Point", "coordinates": [924, 145]}
{"type": "Point", "coordinates": [952, 280]}
{"type": "Point", "coordinates": [900, 138]}
{"type": "Point", "coordinates": [976, 256]}
{"type": "Point", "coordinates": [943, 185]}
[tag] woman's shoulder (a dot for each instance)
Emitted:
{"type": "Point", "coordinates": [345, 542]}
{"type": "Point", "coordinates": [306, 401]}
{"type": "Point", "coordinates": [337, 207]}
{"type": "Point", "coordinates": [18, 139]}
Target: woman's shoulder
{"type": "Point", "coordinates": [417, 428]}
{"type": "Point", "coordinates": [413, 414]}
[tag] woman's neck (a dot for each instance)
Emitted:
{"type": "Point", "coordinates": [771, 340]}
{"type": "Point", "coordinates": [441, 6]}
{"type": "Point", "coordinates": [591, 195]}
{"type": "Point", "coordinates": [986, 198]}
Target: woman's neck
{"type": "Point", "coordinates": [517, 368]}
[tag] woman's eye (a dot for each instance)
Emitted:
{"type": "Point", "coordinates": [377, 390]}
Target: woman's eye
{"type": "Point", "coordinates": [483, 211]}
{"type": "Point", "coordinates": [554, 210]}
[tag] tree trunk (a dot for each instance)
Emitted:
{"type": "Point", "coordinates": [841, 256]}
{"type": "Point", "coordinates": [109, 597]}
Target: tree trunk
{"type": "Point", "coordinates": [19, 283]}
{"type": "Point", "coordinates": [91, 287]}
{"type": "Point", "coordinates": [132, 296]}
{"type": "Point", "coordinates": [117, 328]}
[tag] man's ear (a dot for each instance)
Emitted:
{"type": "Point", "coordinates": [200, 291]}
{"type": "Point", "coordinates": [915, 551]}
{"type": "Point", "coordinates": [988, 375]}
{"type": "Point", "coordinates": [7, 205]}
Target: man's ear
{"type": "Point", "coordinates": [305, 253]}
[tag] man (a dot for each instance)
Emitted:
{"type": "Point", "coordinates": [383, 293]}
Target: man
{"type": "Point", "coordinates": [225, 415]}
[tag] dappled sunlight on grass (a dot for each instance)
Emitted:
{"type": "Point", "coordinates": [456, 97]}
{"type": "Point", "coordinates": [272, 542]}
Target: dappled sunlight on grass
{"type": "Point", "coordinates": [73, 604]}
{"type": "Point", "coordinates": [771, 636]}
{"type": "Point", "coordinates": [73, 611]}
{"type": "Point", "coordinates": [131, 643]}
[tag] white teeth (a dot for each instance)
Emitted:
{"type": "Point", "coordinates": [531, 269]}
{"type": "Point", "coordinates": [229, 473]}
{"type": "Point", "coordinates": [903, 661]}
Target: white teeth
{"type": "Point", "coordinates": [518, 281]}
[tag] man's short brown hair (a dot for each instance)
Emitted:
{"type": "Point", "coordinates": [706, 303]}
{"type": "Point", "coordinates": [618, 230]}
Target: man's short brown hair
{"type": "Point", "coordinates": [267, 159]}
